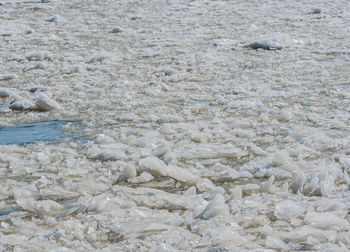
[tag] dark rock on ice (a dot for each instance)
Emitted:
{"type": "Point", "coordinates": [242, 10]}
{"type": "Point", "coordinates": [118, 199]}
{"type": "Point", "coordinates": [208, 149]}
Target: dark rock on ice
{"type": "Point", "coordinates": [116, 30]}
{"type": "Point", "coordinates": [37, 89]}
{"type": "Point", "coordinates": [53, 19]}
{"type": "Point", "coordinates": [305, 247]}
{"type": "Point", "coordinates": [316, 11]}
{"type": "Point", "coordinates": [264, 46]}
{"type": "Point", "coordinates": [6, 34]}
{"type": "Point", "coordinates": [235, 92]}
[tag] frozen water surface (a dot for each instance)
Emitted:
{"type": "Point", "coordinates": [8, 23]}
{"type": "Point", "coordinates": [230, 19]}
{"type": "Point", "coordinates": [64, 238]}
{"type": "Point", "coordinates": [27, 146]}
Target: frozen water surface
{"type": "Point", "coordinates": [196, 141]}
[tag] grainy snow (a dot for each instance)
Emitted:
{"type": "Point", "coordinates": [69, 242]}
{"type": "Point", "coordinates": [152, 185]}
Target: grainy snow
{"type": "Point", "coordinates": [198, 142]}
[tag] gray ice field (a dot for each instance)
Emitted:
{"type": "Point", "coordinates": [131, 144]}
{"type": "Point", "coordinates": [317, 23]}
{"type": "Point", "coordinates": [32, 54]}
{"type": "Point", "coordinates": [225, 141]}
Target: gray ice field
{"type": "Point", "coordinates": [158, 125]}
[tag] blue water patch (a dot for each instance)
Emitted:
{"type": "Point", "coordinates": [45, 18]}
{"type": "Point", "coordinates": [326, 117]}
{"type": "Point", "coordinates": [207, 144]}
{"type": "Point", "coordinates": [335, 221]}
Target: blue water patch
{"type": "Point", "coordinates": [41, 131]}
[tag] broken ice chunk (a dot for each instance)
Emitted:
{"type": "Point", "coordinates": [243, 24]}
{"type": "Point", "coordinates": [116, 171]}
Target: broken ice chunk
{"type": "Point", "coordinates": [298, 184]}
{"type": "Point", "coordinates": [289, 209]}
{"type": "Point", "coordinates": [22, 105]}
{"type": "Point", "coordinates": [215, 207]}
{"type": "Point", "coordinates": [44, 103]}
{"type": "Point", "coordinates": [129, 172]}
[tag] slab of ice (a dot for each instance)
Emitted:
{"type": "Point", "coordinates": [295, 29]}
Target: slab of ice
{"type": "Point", "coordinates": [106, 152]}
{"type": "Point", "coordinates": [43, 207]}
{"type": "Point", "coordinates": [275, 243]}
{"type": "Point", "coordinates": [158, 199]}
{"type": "Point", "coordinates": [24, 192]}
{"type": "Point", "coordinates": [215, 207]}
{"type": "Point", "coordinates": [326, 221]}
{"type": "Point", "coordinates": [143, 178]}
{"type": "Point", "coordinates": [4, 77]}
{"type": "Point", "coordinates": [208, 151]}
{"type": "Point", "coordinates": [5, 92]}
{"type": "Point", "coordinates": [44, 103]}
{"type": "Point", "coordinates": [56, 193]}
{"type": "Point", "coordinates": [302, 233]}
{"type": "Point", "coordinates": [158, 168]}
{"type": "Point", "coordinates": [13, 239]}
{"type": "Point", "coordinates": [129, 172]}
{"type": "Point", "coordinates": [289, 209]}
{"type": "Point", "coordinates": [22, 105]}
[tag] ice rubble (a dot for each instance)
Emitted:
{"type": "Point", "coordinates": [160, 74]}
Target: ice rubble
{"type": "Point", "coordinates": [35, 99]}
{"type": "Point", "coordinates": [197, 144]}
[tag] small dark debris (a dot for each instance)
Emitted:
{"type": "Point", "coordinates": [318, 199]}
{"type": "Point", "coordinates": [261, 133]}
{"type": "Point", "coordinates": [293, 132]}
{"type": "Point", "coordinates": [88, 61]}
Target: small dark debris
{"type": "Point", "coordinates": [272, 218]}
{"type": "Point", "coordinates": [53, 19]}
{"type": "Point", "coordinates": [116, 30]}
{"type": "Point", "coordinates": [114, 236]}
{"type": "Point", "coordinates": [316, 11]}
{"type": "Point", "coordinates": [305, 247]}
{"type": "Point", "coordinates": [264, 46]}
{"type": "Point", "coordinates": [234, 92]}
{"type": "Point", "coordinates": [44, 1]}
{"type": "Point", "coordinates": [37, 89]}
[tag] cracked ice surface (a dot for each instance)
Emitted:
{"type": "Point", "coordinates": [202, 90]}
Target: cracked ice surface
{"type": "Point", "coordinates": [197, 142]}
